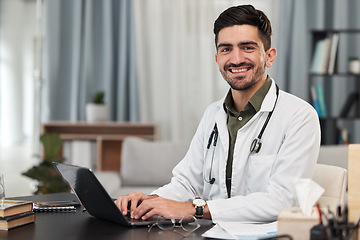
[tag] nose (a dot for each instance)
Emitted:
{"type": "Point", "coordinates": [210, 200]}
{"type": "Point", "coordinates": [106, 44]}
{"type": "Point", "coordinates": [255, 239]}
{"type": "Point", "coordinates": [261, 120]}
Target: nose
{"type": "Point", "coordinates": [236, 56]}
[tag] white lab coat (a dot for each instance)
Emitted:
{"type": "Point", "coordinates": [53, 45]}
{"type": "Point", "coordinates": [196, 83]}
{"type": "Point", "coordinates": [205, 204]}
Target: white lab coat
{"type": "Point", "coordinates": [262, 183]}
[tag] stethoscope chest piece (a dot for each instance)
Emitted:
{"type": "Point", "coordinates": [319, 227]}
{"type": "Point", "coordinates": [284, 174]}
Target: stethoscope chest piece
{"type": "Point", "coordinates": [255, 145]}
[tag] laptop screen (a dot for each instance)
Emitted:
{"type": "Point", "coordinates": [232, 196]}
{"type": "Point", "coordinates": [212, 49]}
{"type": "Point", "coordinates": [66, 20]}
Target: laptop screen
{"type": "Point", "coordinates": [90, 192]}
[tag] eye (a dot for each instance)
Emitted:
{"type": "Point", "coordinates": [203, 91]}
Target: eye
{"type": "Point", "coordinates": [224, 50]}
{"type": "Point", "coordinates": [248, 48]}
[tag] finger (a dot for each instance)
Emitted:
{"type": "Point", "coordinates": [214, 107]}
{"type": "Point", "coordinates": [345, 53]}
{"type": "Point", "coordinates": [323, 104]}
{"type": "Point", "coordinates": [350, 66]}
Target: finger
{"type": "Point", "coordinates": [118, 202]}
{"type": "Point", "coordinates": [141, 210]}
{"type": "Point", "coordinates": [149, 214]}
{"type": "Point", "coordinates": [124, 205]}
{"type": "Point", "coordinates": [133, 206]}
{"type": "Point", "coordinates": [146, 206]}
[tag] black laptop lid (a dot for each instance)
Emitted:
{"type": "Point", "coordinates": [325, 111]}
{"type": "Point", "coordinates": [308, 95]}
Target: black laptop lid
{"type": "Point", "coordinates": [91, 193]}
{"type": "Point", "coordinates": [94, 197]}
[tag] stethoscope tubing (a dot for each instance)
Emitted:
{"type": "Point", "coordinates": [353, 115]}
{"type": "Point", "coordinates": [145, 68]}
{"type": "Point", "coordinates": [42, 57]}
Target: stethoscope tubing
{"type": "Point", "coordinates": [255, 145]}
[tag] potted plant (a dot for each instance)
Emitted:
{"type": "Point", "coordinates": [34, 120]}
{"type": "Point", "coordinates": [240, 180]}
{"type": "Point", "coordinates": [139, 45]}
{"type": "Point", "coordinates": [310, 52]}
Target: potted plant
{"type": "Point", "coordinates": [48, 178]}
{"type": "Point", "coordinates": [354, 65]}
{"type": "Point", "coordinates": [97, 111]}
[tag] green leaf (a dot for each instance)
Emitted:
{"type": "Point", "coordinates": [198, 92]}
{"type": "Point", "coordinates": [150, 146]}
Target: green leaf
{"type": "Point", "coordinates": [51, 144]}
{"type": "Point", "coordinates": [49, 179]}
{"type": "Point", "coordinates": [98, 98]}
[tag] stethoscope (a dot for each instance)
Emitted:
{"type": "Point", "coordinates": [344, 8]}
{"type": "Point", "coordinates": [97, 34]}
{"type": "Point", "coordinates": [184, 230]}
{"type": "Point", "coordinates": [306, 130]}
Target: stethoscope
{"type": "Point", "coordinates": [255, 145]}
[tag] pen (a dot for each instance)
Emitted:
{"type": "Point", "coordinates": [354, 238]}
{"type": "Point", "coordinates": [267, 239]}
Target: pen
{"type": "Point", "coordinates": [331, 222]}
{"type": "Point", "coordinates": [345, 220]}
{"type": "Point", "coordinates": [320, 215]}
{"type": "Point", "coordinates": [345, 214]}
{"type": "Point", "coordinates": [338, 214]}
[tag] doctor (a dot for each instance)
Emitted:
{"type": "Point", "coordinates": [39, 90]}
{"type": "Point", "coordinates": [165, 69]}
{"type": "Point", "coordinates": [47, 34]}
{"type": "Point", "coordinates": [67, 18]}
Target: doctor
{"type": "Point", "coordinates": [249, 146]}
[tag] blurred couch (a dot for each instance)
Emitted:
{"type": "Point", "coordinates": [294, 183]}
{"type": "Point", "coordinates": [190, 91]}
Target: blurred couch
{"type": "Point", "coordinates": [335, 155]}
{"type": "Point", "coordinates": [147, 165]}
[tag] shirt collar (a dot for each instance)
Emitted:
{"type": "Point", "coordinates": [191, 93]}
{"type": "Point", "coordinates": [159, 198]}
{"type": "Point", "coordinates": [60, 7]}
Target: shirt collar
{"type": "Point", "coordinates": [254, 102]}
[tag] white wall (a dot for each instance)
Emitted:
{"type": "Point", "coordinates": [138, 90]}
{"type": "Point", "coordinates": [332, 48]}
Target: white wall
{"type": "Point", "coordinates": [17, 31]}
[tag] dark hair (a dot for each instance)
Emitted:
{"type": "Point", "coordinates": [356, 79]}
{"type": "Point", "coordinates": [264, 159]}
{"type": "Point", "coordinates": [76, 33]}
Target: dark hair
{"type": "Point", "coordinates": [245, 14]}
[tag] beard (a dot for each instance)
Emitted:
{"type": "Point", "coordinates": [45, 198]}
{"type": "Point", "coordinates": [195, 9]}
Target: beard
{"type": "Point", "coordinates": [240, 83]}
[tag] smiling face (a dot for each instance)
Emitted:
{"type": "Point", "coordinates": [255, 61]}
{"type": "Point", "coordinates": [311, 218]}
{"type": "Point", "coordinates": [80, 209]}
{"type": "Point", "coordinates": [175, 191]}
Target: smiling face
{"type": "Point", "coordinates": [241, 57]}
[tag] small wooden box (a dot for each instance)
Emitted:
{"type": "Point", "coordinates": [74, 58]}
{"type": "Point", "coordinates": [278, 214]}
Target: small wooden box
{"type": "Point", "coordinates": [291, 221]}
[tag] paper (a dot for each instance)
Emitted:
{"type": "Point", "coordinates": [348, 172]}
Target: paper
{"type": "Point", "coordinates": [242, 231]}
{"type": "Point", "coordinates": [218, 233]}
{"type": "Point", "coordinates": [308, 193]}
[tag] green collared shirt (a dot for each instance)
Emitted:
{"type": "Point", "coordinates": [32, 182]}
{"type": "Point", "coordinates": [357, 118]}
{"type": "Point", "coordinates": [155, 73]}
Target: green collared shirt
{"type": "Point", "coordinates": [237, 120]}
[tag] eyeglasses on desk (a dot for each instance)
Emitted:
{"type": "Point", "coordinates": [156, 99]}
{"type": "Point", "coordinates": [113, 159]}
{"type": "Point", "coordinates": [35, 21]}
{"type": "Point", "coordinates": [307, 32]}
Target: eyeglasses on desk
{"type": "Point", "coordinates": [188, 224]}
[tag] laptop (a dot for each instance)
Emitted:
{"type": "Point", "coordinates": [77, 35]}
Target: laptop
{"type": "Point", "coordinates": [94, 197]}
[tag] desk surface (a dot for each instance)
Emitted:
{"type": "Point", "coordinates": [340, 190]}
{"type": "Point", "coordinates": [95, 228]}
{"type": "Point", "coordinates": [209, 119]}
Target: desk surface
{"type": "Point", "coordinates": [81, 225]}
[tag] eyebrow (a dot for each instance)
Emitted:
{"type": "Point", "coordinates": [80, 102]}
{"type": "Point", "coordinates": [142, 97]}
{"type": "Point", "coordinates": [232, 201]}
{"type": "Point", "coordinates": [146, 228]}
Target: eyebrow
{"type": "Point", "coordinates": [240, 44]}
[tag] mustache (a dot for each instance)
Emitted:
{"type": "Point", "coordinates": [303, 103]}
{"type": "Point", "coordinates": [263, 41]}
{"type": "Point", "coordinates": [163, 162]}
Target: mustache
{"type": "Point", "coordinates": [244, 64]}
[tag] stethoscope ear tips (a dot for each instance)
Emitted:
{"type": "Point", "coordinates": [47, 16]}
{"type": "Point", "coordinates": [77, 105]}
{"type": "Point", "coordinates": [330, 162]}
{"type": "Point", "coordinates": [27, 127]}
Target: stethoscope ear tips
{"type": "Point", "coordinates": [255, 145]}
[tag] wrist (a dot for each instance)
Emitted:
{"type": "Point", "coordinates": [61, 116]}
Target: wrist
{"type": "Point", "coordinates": [199, 206]}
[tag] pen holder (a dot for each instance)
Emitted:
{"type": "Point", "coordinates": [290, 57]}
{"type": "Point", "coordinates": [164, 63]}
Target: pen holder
{"type": "Point", "coordinates": [319, 232]}
{"type": "Point", "coordinates": [331, 232]}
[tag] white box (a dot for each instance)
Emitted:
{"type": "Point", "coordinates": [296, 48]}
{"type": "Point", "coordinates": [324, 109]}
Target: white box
{"type": "Point", "coordinates": [291, 221]}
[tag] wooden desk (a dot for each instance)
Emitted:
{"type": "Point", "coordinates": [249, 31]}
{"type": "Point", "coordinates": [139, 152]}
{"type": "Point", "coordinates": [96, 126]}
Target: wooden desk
{"type": "Point", "coordinates": [80, 225]}
{"type": "Point", "coordinates": [107, 135]}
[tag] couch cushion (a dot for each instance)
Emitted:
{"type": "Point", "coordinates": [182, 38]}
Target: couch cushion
{"type": "Point", "coordinates": [335, 155]}
{"type": "Point", "coordinates": [334, 180]}
{"type": "Point", "coordinates": [149, 163]}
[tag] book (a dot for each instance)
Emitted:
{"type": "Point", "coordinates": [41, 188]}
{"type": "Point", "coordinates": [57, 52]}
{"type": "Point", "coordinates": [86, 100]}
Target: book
{"type": "Point", "coordinates": [316, 60]}
{"type": "Point", "coordinates": [16, 220]}
{"type": "Point", "coordinates": [352, 100]}
{"type": "Point", "coordinates": [325, 56]}
{"type": "Point", "coordinates": [343, 137]}
{"type": "Point", "coordinates": [333, 52]}
{"type": "Point", "coordinates": [13, 207]}
{"type": "Point", "coordinates": [321, 98]}
{"type": "Point", "coordinates": [315, 101]}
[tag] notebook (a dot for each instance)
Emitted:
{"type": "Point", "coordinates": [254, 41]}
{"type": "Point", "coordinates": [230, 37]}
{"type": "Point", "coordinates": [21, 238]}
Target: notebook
{"type": "Point", "coordinates": [55, 206]}
{"type": "Point", "coordinates": [38, 208]}
{"type": "Point", "coordinates": [94, 197]}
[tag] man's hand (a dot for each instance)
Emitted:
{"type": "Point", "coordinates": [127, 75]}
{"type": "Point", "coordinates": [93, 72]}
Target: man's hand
{"type": "Point", "coordinates": [163, 207]}
{"type": "Point", "coordinates": [145, 206]}
{"type": "Point", "coordinates": [131, 201]}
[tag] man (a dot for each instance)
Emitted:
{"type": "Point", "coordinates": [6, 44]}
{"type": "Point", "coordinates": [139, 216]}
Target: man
{"type": "Point", "coordinates": [236, 177]}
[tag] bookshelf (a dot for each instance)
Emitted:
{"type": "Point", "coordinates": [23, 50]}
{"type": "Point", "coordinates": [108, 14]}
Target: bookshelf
{"type": "Point", "coordinates": [323, 77]}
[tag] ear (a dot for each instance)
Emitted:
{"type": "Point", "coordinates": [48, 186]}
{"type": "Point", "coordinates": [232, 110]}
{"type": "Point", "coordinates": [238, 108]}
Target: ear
{"type": "Point", "coordinates": [270, 56]}
{"type": "Point", "coordinates": [216, 60]}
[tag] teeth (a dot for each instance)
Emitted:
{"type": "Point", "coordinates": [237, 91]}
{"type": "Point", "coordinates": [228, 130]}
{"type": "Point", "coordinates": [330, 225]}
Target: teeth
{"type": "Point", "coordinates": [239, 70]}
